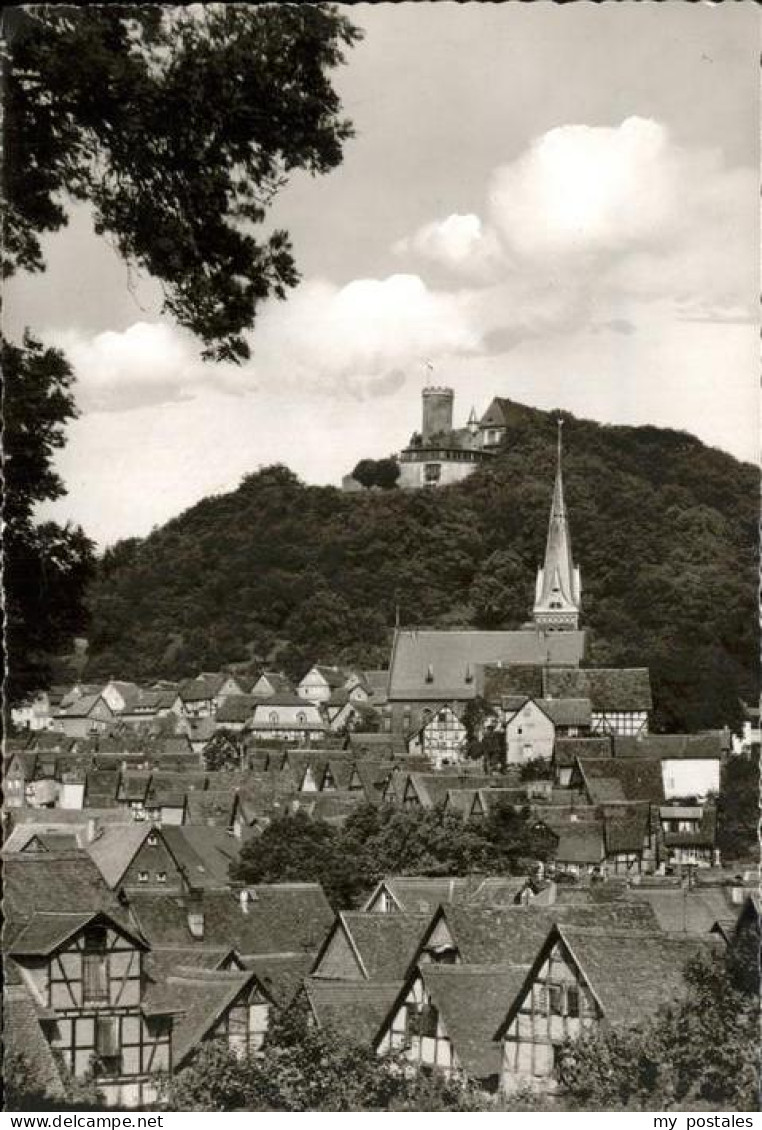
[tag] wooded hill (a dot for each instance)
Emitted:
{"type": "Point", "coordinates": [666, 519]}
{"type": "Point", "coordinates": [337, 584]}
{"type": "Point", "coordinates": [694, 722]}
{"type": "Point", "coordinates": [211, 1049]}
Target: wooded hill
{"type": "Point", "coordinates": [664, 528]}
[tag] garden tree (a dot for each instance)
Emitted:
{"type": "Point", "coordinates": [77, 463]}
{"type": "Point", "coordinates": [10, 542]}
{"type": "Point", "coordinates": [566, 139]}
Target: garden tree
{"type": "Point", "coordinates": [178, 127]}
{"type": "Point", "coordinates": [223, 751]}
{"type": "Point", "coordinates": [702, 1053]}
{"type": "Point", "coordinates": [24, 1089]}
{"type": "Point", "coordinates": [304, 1068]}
{"type": "Point", "coordinates": [46, 565]}
{"type": "Point", "coordinates": [738, 808]}
{"type": "Point", "coordinates": [483, 740]}
{"type": "Point", "coordinates": [382, 473]}
{"type": "Point", "coordinates": [387, 840]}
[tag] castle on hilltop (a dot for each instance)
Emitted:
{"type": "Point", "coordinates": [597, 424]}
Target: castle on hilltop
{"type": "Point", "coordinates": [440, 454]}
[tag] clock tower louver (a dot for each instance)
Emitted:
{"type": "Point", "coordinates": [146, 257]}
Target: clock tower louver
{"type": "Point", "coordinates": [558, 591]}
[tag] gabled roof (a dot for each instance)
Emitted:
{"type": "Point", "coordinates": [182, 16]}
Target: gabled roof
{"type": "Point", "coordinates": [202, 689]}
{"type": "Point", "coordinates": [472, 1000]}
{"type": "Point", "coordinates": [632, 974]}
{"type": "Point", "coordinates": [334, 676]}
{"type": "Point", "coordinates": [433, 665]}
{"type": "Point", "coordinates": [203, 996]}
{"type": "Point", "coordinates": [567, 711]}
{"type": "Point", "coordinates": [115, 848]}
{"type": "Point", "coordinates": [281, 918]}
{"type": "Point", "coordinates": [279, 682]}
{"type": "Point", "coordinates": [237, 708]}
{"type": "Point", "coordinates": [567, 750]}
{"type": "Point", "coordinates": [609, 779]}
{"type": "Point", "coordinates": [352, 1009]}
{"type": "Point", "coordinates": [83, 706]}
{"type": "Point", "coordinates": [422, 894]}
{"type": "Point", "coordinates": [662, 747]}
{"type": "Point", "coordinates": [203, 852]}
{"type": "Point", "coordinates": [679, 911]}
{"type": "Point", "coordinates": [385, 945]}
{"type": "Point", "coordinates": [608, 688]}
{"type": "Point", "coordinates": [625, 827]}
{"type": "Point", "coordinates": [41, 882]}
{"type": "Point", "coordinates": [512, 935]}
{"type": "Point", "coordinates": [282, 974]}
{"type": "Point", "coordinates": [46, 932]}
{"type": "Point", "coordinates": [581, 845]}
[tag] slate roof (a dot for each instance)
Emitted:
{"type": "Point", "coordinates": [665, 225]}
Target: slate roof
{"type": "Point", "coordinates": [567, 711]}
{"type": "Point", "coordinates": [680, 911]}
{"type": "Point", "coordinates": [632, 975]}
{"type": "Point", "coordinates": [513, 935]}
{"type": "Point", "coordinates": [334, 676]}
{"type": "Point", "coordinates": [608, 688]}
{"type": "Point", "coordinates": [207, 806]}
{"type": "Point", "coordinates": [35, 883]}
{"type": "Point", "coordinates": [54, 837]}
{"type": "Point", "coordinates": [497, 890]}
{"type": "Point", "coordinates": [423, 894]}
{"type": "Point", "coordinates": [202, 689]}
{"type": "Point", "coordinates": [354, 1010]}
{"type": "Point", "coordinates": [280, 683]}
{"type": "Point", "coordinates": [625, 828]}
{"type": "Point", "coordinates": [567, 750]}
{"type": "Point", "coordinates": [671, 746]}
{"type": "Point", "coordinates": [432, 788]}
{"type": "Point", "coordinates": [627, 779]}
{"type": "Point", "coordinates": [385, 944]}
{"type": "Point", "coordinates": [46, 931]}
{"type": "Point", "coordinates": [282, 918]}
{"type": "Point", "coordinates": [580, 845]}
{"type": "Point", "coordinates": [114, 849]}
{"type": "Point", "coordinates": [497, 682]}
{"type": "Point", "coordinates": [83, 706]}
{"type": "Point", "coordinates": [203, 852]}
{"type": "Point", "coordinates": [237, 708]}
{"type": "Point", "coordinates": [282, 975]}
{"type": "Point", "coordinates": [451, 657]}
{"type": "Point", "coordinates": [472, 1000]}
{"type": "Point", "coordinates": [205, 995]}
{"type": "Point", "coordinates": [376, 745]}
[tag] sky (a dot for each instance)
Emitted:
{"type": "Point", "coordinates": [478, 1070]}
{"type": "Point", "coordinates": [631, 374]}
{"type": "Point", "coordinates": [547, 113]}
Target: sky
{"type": "Point", "coordinates": [556, 204]}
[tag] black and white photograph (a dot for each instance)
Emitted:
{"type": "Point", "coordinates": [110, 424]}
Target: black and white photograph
{"type": "Point", "coordinates": [381, 522]}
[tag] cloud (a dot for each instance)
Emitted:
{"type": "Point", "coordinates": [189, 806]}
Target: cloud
{"type": "Point", "coordinates": [361, 340]}
{"type": "Point", "coordinates": [149, 363]}
{"type": "Point", "coordinates": [459, 242]}
{"type": "Point", "coordinates": [592, 226]}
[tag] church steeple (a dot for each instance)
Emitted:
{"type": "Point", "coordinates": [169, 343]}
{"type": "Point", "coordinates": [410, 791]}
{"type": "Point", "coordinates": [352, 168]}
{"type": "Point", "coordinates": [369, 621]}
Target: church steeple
{"type": "Point", "coordinates": [558, 590]}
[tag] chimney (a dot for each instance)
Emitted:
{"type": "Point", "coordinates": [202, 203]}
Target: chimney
{"type": "Point", "coordinates": [437, 412]}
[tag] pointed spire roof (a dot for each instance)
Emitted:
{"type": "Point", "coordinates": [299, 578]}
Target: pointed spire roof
{"type": "Point", "coordinates": [558, 580]}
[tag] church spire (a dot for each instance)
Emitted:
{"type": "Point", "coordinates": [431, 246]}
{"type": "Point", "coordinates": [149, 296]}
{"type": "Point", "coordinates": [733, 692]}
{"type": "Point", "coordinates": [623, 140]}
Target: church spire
{"type": "Point", "coordinates": [558, 589]}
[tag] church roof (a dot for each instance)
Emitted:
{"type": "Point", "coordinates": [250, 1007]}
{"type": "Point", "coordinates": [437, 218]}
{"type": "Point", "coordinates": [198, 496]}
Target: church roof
{"type": "Point", "coordinates": [436, 665]}
{"type": "Point", "coordinates": [557, 580]}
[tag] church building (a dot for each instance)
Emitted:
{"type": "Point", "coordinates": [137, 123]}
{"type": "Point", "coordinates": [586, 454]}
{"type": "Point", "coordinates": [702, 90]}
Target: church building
{"type": "Point", "coordinates": [558, 590]}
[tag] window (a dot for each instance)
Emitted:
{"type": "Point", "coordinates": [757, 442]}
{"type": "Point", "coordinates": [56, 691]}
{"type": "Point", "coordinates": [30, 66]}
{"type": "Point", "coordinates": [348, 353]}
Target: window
{"type": "Point", "coordinates": [556, 999]}
{"type": "Point", "coordinates": [107, 1042]}
{"type": "Point", "coordinates": [273, 716]}
{"type": "Point", "coordinates": [572, 1000]}
{"type": "Point", "coordinates": [432, 472]}
{"type": "Point", "coordinates": [142, 876]}
{"type": "Point", "coordinates": [301, 717]}
{"type": "Point", "coordinates": [94, 977]}
{"type": "Point", "coordinates": [151, 840]}
{"type": "Point", "coordinates": [161, 877]}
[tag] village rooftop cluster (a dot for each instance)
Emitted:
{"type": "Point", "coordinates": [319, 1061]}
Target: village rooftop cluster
{"type": "Point", "coordinates": [128, 945]}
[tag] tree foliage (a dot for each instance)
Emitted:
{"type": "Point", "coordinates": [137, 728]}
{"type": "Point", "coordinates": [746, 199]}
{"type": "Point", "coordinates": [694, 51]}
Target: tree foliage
{"type": "Point", "coordinates": [700, 1054]}
{"type": "Point", "coordinates": [664, 528]}
{"type": "Point", "coordinates": [738, 808]}
{"type": "Point", "coordinates": [303, 1068]}
{"type": "Point", "coordinates": [382, 473]}
{"type": "Point", "coordinates": [46, 566]}
{"type": "Point", "coordinates": [178, 127]}
{"type": "Point", "coordinates": [374, 842]}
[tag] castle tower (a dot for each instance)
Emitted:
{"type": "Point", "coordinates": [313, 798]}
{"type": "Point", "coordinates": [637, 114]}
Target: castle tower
{"type": "Point", "coordinates": [558, 591]}
{"type": "Point", "coordinates": [437, 411]}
